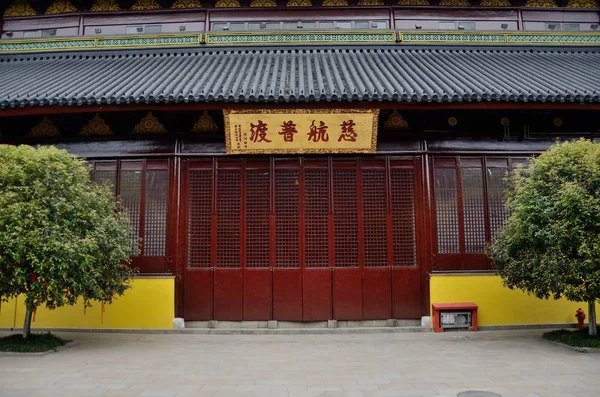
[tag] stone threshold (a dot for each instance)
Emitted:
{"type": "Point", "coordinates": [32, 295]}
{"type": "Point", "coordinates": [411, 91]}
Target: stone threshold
{"type": "Point", "coordinates": [239, 331]}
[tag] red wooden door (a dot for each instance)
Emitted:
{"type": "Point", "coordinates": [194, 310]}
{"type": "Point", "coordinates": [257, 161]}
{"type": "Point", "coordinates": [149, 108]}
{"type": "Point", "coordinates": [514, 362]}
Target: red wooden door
{"type": "Point", "coordinates": [228, 269]}
{"type": "Point", "coordinates": [301, 239]}
{"type": "Point", "coordinates": [258, 277]}
{"type": "Point", "coordinates": [377, 287]}
{"type": "Point", "coordinates": [287, 274]}
{"type": "Point", "coordinates": [198, 199]}
{"type": "Point", "coordinates": [347, 273]}
{"type": "Point", "coordinates": [406, 209]}
{"type": "Point", "coordinates": [316, 287]}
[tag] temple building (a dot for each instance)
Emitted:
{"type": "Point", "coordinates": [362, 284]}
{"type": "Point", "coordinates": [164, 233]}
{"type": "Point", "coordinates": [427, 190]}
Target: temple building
{"type": "Point", "coordinates": [303, 160]}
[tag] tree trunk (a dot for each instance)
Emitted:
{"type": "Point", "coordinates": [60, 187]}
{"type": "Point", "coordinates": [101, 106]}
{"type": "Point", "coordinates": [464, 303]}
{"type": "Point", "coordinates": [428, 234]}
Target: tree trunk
{"type": "Point", "coordinates": [28, 315]}
{"type": "Point", "coordinates": [592, 319]}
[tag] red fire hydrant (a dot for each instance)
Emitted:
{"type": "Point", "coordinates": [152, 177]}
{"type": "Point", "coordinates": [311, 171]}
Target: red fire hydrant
{"type": "Point", "coordinates": [580, 315]}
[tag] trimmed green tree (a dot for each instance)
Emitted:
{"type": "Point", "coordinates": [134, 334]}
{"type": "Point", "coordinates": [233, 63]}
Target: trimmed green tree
{"type": "Point", "coordinates": [62, 237]}
{"type": "Point", "coordinates": [550, 244]}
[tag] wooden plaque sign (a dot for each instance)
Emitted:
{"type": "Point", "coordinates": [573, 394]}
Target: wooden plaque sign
{"type": "Point", "coordinates": [268, 131]}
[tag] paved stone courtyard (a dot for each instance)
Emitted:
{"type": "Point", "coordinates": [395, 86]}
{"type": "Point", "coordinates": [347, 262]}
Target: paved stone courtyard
{"type": "Point", "coordinates": [510, 363]}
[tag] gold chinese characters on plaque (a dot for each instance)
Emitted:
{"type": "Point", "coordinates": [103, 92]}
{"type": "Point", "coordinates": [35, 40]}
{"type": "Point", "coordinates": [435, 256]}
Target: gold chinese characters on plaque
{"type": "Point", "coordinates": [266, 131]}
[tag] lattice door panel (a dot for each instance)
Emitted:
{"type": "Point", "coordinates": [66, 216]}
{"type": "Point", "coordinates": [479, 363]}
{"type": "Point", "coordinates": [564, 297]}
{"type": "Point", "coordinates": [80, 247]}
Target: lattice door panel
{"type": "Point", "coordinates": [257, 218]}
{"type": "Point", "coordinates": [374, 217]}
{"type": "Point", "coordinates": [228, 218]}
{"type": "Point", "coordinates": [446, 200]}
{"type": "Point", "coordinates": [200, 190]}
{"type": "Point", "coordinates": [107, 177]}
{"type": "Point", "coordinates": [287, 203]}
{"type": "Point", "coordinates": [130, 193]}
{"type": "Point", "coordinates": [469, 208]}
{"type": "Point", "coordinates": [316, 217]}
{"type": "Point", "coordinates": [345, 209]}
{"type": "Point", "coordinates": [105, 172]}
{"type": "Point", "coordinates": [143, 189]}
{"type": "Point", "coordinates": [155, 212]}
{"type": "Point", "coordinates": [495, 193]}
{"type": "Point", "coordinates": [403, 217]}
{"type": "Point", "coordinates": [473, 209]}
{"type": "Point", "coordinates": [301, 216]}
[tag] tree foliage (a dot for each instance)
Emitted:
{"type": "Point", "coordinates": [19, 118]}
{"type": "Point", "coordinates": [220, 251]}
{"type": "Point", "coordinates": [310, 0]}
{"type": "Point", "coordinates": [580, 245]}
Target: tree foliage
{"type": "Point", "coordinates": [62, 237]}
{"type": "Point", "coordinates": [550, 245]}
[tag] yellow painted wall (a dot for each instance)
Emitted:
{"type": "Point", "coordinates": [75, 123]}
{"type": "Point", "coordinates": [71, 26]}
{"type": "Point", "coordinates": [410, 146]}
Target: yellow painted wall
{"type": "Point", "coordinates": [149, 303]}
{"type": "Point", "coordinates": [499, 305]}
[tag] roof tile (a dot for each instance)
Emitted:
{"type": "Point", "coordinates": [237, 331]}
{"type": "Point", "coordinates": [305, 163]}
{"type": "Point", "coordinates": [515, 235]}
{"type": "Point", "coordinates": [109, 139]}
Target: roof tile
{"type": "Point", "coordinates": [302, 74]}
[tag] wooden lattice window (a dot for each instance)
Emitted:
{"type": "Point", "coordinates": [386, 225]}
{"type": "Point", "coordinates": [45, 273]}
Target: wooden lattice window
{"type": "Point", "coordinates": [105, 172]}
{"type": "Point", "coordinates": [496, 173]}
{"type": "Point", "coordinates": [446, 201]}
{"type": "Point", "coordinates": [142, 187]}
{"type": "Point", "coordinates": [469, 208]}
{"type": "Point", "coordinates": [155, 225]}
{"type": "Point", "coordinates": [130, 193]}
{"type": "Point", "coordinates": [473, 204]}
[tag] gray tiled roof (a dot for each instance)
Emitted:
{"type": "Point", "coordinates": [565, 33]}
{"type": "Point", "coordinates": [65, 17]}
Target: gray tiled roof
{"type": "Point", "coordinates": [302, 74]}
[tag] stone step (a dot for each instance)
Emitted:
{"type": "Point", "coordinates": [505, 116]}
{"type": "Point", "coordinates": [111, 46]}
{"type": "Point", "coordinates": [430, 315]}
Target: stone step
{"type": "Point", "coordinates": [301, 331]}
{"type": "Point", "coordinates": [296, 325]}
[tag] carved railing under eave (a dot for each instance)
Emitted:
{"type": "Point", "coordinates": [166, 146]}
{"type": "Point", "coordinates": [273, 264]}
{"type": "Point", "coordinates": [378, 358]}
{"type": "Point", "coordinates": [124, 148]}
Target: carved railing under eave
{"type": "Point", "coordinates": [382, 37]}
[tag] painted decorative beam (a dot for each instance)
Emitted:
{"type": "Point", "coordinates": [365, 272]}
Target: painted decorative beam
{"type": "Point", "coordinates": [529, 38]}
{"type": "Point", "coordinates": [323, 37]}
{"type": "Point", "coordinates": [108, 42]}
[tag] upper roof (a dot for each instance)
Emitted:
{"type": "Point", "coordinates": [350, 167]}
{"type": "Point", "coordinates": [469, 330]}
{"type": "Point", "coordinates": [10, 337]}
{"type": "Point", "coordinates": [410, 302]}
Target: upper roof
{"type": "Point", "coordinates": [302, 74]}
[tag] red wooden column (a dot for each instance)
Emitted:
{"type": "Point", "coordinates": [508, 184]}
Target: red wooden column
{"type": "Point", "coordinates": [424, 207]}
